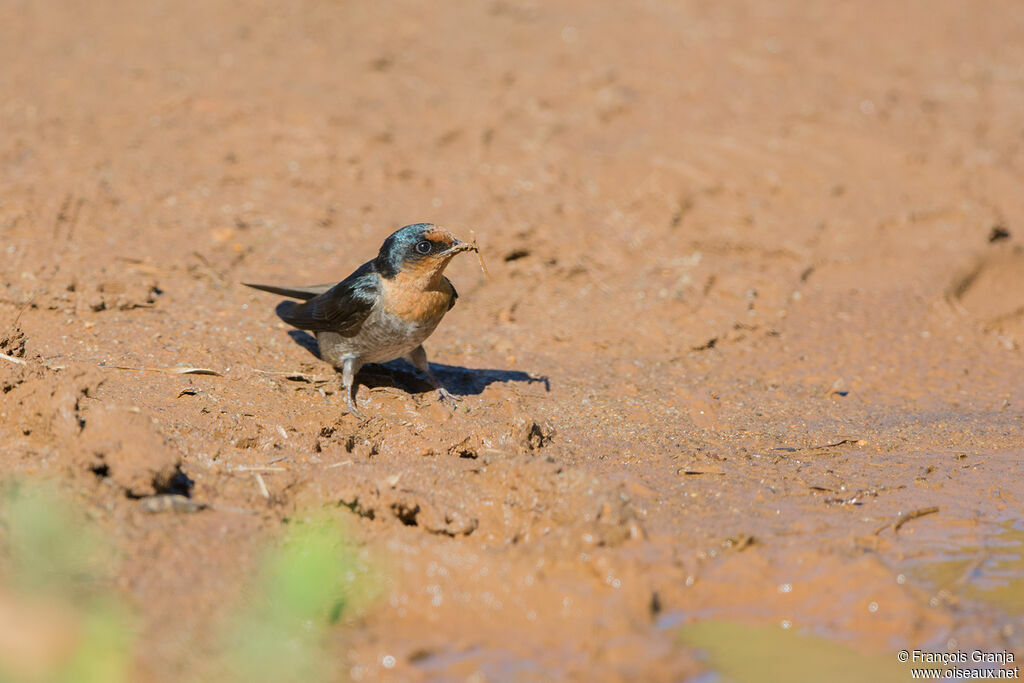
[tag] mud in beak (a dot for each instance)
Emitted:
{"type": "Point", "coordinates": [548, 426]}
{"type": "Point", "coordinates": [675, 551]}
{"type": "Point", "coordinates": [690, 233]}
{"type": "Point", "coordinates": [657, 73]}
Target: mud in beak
{"type": "Point", "coordinates": [458, 247]}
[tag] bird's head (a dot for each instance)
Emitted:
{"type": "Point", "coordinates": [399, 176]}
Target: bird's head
{"type": "Point", "coordinates": [422, 249]}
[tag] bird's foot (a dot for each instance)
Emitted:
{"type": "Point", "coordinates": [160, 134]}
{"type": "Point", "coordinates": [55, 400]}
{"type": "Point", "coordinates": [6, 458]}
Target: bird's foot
{"type": "Point", "coordinates": [448, 397]}
{"type": "Point", "coordinates": [355, 412]}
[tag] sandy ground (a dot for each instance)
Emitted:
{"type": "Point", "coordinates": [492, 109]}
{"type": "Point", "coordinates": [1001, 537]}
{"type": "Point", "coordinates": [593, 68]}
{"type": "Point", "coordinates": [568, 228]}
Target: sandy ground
{"type": "Point", "coordinates": [756, 307]}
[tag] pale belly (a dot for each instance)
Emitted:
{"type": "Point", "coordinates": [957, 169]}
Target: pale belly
{"type": "Point", "coordinates": [381, 338]}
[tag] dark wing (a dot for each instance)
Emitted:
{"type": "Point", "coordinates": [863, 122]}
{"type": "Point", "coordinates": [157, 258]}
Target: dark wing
{"type": "Point", "coordinates": [304, 293]}
{"type": "Point", "coordinates": [455, 294]}
{"type": "Point", "coordinates": [343, 308]}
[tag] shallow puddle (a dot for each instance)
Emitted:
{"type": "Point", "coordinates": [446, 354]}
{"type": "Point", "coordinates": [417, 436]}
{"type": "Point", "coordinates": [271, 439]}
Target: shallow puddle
{"type": "Point", "coordinates": [991, 571]}
{"type": "Point", "coordinates": [740, 653]}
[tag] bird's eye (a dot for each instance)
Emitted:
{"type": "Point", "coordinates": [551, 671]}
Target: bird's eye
{"type": "Point", "coordinates": [424, 247]}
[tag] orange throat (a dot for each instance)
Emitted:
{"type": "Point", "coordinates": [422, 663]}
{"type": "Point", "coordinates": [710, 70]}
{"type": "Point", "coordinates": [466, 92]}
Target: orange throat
{"type": "Point", "coordinates": [421, 294]}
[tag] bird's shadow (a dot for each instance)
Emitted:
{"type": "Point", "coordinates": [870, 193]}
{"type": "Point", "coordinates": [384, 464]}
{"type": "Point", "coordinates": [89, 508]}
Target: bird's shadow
{"type": "Point", "coordinates": [402, 375]}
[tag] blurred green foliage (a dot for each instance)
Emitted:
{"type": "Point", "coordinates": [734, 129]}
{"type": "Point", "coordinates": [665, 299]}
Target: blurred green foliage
{"type": "Point", "coordinates": [304, 586]}
{"type": "Point", "coordinates": [49, 547]}
{"type": "Point", "coordinates": [61, 622]}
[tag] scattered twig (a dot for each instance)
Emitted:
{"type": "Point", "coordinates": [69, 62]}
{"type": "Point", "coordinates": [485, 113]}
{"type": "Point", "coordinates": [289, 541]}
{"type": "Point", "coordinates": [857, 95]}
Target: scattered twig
{"type": "Point", "coordinates": [24, 307]}
{"type": "Point", "coordinates": [690, 471]}
{"type": "Point", "coordinates": [839, 442]}
{"type": "Point", "coordinates": [338, 464]}
{"type": "Point", "coordinates": [479, 256]}
{"type": "Point", "coordinates": [856, 499]}
{"type": "Point", "coordinates": [903, 519]}
{"type": "Point", "coordinates": [19, 361]}
{"type": "Point", "coordinates": [914, 515]}
{"type": "Point", "coordinates": [169, 371]}
{"type": "Point", "coordinates": [262, 484]}
{"type": "Point", "coordinates": [172, 502]}
{"type": "Point", "coordinates": [854, 440]}
{"type": "Point", "coordinates": [259, 468]}
{"type": "Point", "coordinates": [294, 376]}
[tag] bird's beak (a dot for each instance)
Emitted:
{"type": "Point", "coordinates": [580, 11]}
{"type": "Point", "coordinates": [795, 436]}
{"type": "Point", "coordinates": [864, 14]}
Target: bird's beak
{"type": "Point", "coordinates": [457, 247]}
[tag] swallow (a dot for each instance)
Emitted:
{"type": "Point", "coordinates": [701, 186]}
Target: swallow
{"type": "Point", "coordinates": [382, 311]}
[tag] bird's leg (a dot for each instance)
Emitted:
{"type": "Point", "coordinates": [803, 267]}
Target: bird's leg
{"type": "Point", "coordinates": [348, 375]}
{"type": "Point", "coordinates": [418, 357]}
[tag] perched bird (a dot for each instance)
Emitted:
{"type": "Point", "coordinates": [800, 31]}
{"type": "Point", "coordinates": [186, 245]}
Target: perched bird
{"type": "Point", "coordinates": [382, 311]}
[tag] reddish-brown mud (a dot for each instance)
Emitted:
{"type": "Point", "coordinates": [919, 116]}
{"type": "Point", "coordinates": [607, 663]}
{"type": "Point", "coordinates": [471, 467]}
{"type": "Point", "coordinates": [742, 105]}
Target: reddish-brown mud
{"type": "Point", "coordinates": [756, 296]}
